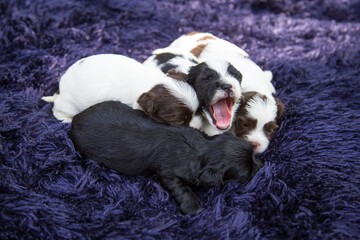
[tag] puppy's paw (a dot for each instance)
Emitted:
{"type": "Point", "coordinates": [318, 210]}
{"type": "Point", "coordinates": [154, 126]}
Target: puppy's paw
{"type": "Point", "coordinates": [190, 207]}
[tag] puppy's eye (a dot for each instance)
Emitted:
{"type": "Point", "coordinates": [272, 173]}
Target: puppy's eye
{"type": "Point", "coordinates": [209, 78]}
{"type": "Point", "coordinates": [270, 130]}
{"type": "Point", "coordinates": [244, 124]}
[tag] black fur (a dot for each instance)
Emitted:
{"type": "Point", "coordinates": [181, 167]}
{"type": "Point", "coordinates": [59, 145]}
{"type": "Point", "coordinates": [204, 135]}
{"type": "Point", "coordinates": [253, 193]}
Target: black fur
{"type": "Point", "coordinates": [234, 72]}
{"type": "Point", "coordinates": [202, 75]}
{"type": "Point", "coordinates": [164, 57]}
{"type": "Point", "coordinates": [130, 142]}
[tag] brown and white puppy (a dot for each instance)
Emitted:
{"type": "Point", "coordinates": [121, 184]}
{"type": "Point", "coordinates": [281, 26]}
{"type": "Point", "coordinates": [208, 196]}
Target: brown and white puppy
{"type": "Point", "coordinates": [257, 119]}
{"type": "Point", "coordinates": [206, 46]}
{"type": "Point", "coordinates": [105, 77]}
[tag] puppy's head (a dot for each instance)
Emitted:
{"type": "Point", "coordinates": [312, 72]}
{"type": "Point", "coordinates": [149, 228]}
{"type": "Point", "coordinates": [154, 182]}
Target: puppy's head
{"type": "Point", "coordinates": [163, 106]}
{"type": "Point", "coordinates": [217, 85]}
{"type": "Point", "coordinates": [257, 119]}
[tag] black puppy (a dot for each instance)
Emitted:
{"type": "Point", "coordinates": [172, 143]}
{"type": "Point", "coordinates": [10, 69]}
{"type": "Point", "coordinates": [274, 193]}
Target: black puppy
{"type": "Point", "coordinates": [130, 142]}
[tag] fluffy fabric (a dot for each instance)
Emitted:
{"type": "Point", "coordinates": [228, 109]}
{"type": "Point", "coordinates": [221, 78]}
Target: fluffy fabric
{"type": "Point", "coordinates": [309, 187]}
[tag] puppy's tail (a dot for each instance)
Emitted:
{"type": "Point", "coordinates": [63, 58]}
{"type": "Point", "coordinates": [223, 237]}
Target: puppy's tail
{"type": "Point", "coordinates": [50, 99]}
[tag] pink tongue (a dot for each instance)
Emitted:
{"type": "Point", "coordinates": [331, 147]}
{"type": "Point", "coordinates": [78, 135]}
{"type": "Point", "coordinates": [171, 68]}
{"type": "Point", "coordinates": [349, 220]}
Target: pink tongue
{"type": "Point", "coordinates": [221, 114]}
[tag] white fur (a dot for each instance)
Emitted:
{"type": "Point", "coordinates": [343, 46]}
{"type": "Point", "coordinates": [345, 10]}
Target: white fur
{"type": "Point", "coordinates": [188, 42]}
{"type": "Point", "coordinates": [107, 77]}
{"type": "Point", "coordinates": [263, 112]}
{"type": "Point", "coordinates": [254, 78]}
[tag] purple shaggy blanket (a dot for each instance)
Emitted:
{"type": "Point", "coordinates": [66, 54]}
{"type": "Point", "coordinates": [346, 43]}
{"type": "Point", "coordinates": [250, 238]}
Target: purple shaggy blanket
{"type": "Point", "coordinates": [310, 185]}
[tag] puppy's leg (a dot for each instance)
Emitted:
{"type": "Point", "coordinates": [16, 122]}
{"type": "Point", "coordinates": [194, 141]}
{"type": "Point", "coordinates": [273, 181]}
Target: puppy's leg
{"type": "Point", "coordinates": [212, 178]}
{"type": "Point", "coordinates": [182, 194]}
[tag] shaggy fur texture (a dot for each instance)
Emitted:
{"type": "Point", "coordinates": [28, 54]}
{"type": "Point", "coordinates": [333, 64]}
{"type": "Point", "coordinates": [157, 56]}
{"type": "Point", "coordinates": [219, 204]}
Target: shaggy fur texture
{"type": "Point", "coordinates": [309, 186]}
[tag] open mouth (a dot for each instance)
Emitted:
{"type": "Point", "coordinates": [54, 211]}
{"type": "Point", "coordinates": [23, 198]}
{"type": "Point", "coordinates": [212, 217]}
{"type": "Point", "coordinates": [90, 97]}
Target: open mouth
{"type": "Point", "coordinates": [221, 112]}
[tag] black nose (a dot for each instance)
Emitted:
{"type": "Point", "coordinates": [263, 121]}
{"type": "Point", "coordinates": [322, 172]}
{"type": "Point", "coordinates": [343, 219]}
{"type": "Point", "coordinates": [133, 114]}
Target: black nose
{"type": "Point", "coordinates": [226, 87]}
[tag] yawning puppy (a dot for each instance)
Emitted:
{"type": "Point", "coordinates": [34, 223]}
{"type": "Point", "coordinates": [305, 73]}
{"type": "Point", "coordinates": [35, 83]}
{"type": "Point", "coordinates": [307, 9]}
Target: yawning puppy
{"type": "Point", "coordinates": [128, 141]}
{"type": "Point", "coordinates": [257, 119]}
{"type": "Point", "coordinates": [106, 77]}
{"type": "Point", "coordinates": [217, 85]}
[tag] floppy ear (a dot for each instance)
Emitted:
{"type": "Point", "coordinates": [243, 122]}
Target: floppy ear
{"type": "Point", "coordinates": [147, 103]}
{"type": "Point", "coordinates": [268, 75]}
{"type": "Point", "coordinates": [280, 109]}
{"type": "Point", "coordinates": [194, 73]}
{"type": "Point", "coordinates": [173, 73]}
{"type": "Point", "coordinates": [246, 96]}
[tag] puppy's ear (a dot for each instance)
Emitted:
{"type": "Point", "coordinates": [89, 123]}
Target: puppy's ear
{"type": "Point", "coordinates": [147, 103]}
{"type": "Point", "coordinates": [194, 73]}
{"type": "Point", "coordinates": [246, 96]}
{"type": "Point", "coordinates": [280, 109]}
{"type": "Point", "coordinates": [173, 73]}
{"type": "Point", "coordinates": [268, 75]}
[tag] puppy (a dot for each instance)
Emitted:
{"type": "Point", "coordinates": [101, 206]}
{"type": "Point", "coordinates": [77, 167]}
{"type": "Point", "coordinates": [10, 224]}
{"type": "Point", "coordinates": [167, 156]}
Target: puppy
{"type": "Point", "coordinates": [105, 77]}
{"type": "Point", "coordinates": [128, 141]}
{"type": "Point", "coordinates": [216, 83]}
{"type": "Point", "coordinates": [205, 46]}
{"type": "Point", "coordinates": [257, 119]}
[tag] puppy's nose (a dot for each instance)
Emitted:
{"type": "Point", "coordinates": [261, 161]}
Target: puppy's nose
{"type": "Point", "coordinates": [255, 145]}
{"type": "Point", "coordinates": [227, 87]}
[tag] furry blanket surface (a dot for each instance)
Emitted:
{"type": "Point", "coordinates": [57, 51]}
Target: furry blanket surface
{"type": "Point", "coordinates": [309, 187]}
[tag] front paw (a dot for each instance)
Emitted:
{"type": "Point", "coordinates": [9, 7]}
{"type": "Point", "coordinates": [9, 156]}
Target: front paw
{"type": "Point", "coordinates": [190, 207]}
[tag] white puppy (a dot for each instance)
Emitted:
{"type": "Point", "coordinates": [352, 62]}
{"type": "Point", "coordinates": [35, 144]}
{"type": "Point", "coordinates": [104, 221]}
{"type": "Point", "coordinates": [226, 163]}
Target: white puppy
{"type": "Point", "coordinates": [108, 77]}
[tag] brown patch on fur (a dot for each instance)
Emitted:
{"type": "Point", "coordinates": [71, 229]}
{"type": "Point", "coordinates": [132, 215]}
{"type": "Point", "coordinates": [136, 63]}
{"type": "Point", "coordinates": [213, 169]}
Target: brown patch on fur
{"type": "Point", "coordinates": [205, 38]}
{"type": "Point", "coordinates": [198, 49]}
{"type": "Point", "coordinates": [243, 124]}
{"type": "Point", "coordinates": [160, 105]}
{"type": "Point", "coordinates": [191, 33]}
{"type": "Point", "coordinates": [173, 73]}
{"type": "Point", "coordinates": [280, 109]}
{"type": "Point", "coordinates": [270, 129]}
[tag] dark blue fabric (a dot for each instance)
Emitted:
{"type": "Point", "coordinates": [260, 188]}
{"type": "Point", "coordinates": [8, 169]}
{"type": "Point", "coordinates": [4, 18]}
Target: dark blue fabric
{"type": "Point", "coordinates": [309, 187]}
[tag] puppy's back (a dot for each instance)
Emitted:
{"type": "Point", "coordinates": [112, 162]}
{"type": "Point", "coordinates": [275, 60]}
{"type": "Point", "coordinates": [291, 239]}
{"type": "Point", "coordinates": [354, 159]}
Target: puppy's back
{"type": "Point", "coordinates": [127, 140]}
{"type": "Point", "coordinates": [111, 133]}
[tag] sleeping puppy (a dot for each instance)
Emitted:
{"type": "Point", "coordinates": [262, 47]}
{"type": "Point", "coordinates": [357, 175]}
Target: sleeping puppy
{"type": "Point", "coordinates": [106, 77]}
{"type": "Point", "coordinates": [128, 141]}
{"type": "Point", "coordinates": [257, 119]}
{"type": "Point", "coordinates": [216, 83]}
